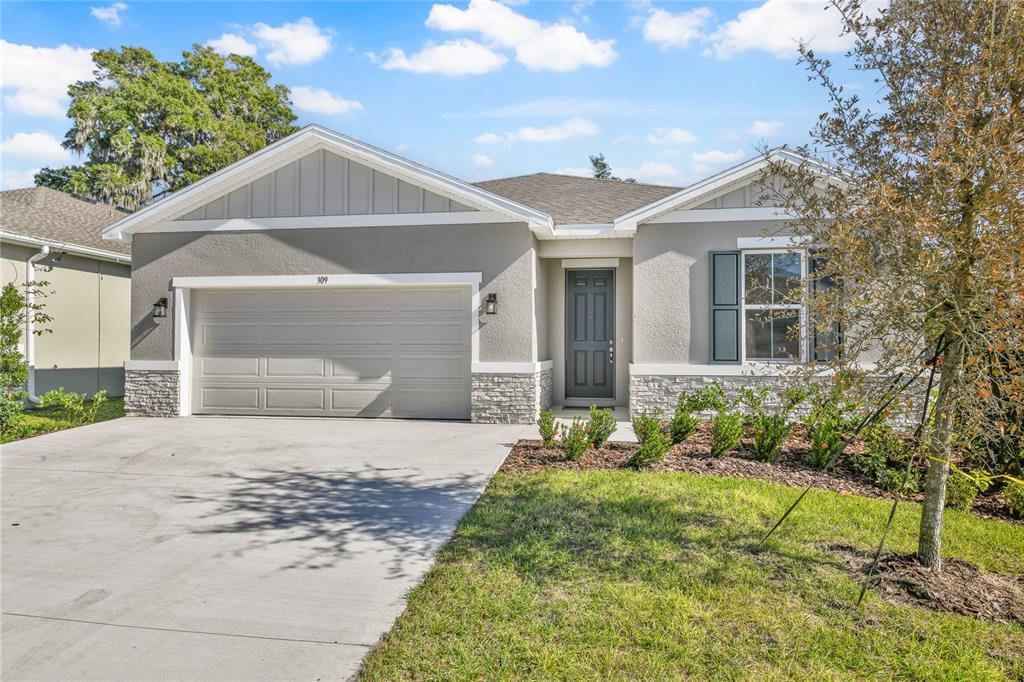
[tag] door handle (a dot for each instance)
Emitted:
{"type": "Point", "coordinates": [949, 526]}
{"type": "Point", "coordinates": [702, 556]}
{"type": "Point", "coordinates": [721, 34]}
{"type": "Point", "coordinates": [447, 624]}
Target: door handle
{"type": "Point", "coordinates": [611, 351]}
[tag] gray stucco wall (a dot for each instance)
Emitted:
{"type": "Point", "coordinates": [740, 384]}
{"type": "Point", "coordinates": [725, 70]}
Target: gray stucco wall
{"type": "Point", "coordinates": [503, 253]}
{"type": "Point", "coordinates": [670, 279]}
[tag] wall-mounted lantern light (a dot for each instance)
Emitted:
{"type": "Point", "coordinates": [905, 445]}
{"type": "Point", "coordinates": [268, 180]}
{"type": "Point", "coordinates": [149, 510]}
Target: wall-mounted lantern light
{"type": "Point", "coordinates": [160, 308]}
{"type": "Point", "coordinates": [491, 304]}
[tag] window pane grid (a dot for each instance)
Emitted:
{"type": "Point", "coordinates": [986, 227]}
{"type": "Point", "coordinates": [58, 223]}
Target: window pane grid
{"type": "Point", "coordinates": [770, 279]}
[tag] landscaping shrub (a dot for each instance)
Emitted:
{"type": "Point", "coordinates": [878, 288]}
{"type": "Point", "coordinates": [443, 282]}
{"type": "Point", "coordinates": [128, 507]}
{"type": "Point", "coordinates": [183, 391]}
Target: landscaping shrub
{"type": "Point", "coordinates": [651, 451]}
{"type": "Point", "coordinates": [575, 440]}
{"type": "Point", "coordinates": [962, 488]}
{"type": "Point", "coordinates": [548, 427]}
{"type": "Point", "coordinates": [830, 421]}
{"type": "Point", "coordinates": [684, 424]}
{"type": "Point", "coordinates": [1015, 495]}
{"type": "Point", "coordinates": [726, 432]}
{"type": "Point", "coordinates": [885, 460]}
{"type": "Point", "coordinates": [646, 426]}
{"type": "Point", "coordinates": [73, 407]}
{"type": "Point", "coordinates": [601, 426]}
{"type": "Point", "coordinates": [11, 409]}
{"type": "Point", "coordinates": [770, 428]}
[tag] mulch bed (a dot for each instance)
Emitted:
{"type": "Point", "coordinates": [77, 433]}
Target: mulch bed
{"type": "Point", "coordinates": [960, 588]}
{"type": "Point", "coordinates": [694, 457]}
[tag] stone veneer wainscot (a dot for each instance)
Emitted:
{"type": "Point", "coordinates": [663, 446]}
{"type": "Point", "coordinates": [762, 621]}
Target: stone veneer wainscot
{"type": "Point", "coordinates": [151, 393]}
{"type": "Point", "coordinates": [510, 398]}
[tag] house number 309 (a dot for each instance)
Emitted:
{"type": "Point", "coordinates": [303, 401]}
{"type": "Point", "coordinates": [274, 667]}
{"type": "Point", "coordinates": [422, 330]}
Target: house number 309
{"type": "Point", "coordinates": [321, 279]}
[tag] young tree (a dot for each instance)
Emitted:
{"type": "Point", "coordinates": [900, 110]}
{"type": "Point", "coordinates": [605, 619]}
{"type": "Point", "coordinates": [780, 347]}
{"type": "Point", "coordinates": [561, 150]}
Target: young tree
{"type": "Point", "coordinates": [15, 311]}
{"type": "Point", "coordinates": [923, 234]}
{"type": "Point", "coordinates": [144, 124]}
{"type": "Point", "coordinates": [602, 170]}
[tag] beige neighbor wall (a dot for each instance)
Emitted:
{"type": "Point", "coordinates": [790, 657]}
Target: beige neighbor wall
{"type": "Point", "coordinates": [90, 302]}
{"type": "Point", "coordinates": [670, 295]}
{"type": "Point", "coordinates": [504, 253]}
{"type": "Point", "coordinates": [555, 274]}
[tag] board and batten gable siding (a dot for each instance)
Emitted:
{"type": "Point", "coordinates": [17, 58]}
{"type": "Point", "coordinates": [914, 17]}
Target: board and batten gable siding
{"type": "Point", "coordinates": [324, 183]}
{"type": "Point", "coordinates": [744, 196]}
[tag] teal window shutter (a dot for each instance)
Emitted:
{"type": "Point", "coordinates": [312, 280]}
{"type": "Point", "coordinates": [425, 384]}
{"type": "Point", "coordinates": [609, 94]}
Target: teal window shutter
{"type": "Point", "coordinates": [725, 306]}
{"type": "Point", "coordinates": [825, 342]}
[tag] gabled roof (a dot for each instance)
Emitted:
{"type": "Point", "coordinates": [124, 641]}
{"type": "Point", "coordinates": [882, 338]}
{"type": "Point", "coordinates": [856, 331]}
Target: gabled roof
{"type": "Point", "coordinates": [699, 192]}
{"type": "Point", "coordinates": [48, 216]}
{"type": "Point", "coordinates": [570, 199]}
{"type": "Point", "coordinates": [298, 144]}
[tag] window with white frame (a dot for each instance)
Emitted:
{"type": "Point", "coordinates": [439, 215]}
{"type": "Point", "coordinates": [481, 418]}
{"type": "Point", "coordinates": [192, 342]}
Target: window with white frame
{"type": "Point", "coordinates": [774, 318]}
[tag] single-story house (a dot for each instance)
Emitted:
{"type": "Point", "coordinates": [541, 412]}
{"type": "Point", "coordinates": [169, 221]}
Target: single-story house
{"type": "Point", "coordinates": [50, 236]}
{"type": "Point", "coordinates": [323, 276]}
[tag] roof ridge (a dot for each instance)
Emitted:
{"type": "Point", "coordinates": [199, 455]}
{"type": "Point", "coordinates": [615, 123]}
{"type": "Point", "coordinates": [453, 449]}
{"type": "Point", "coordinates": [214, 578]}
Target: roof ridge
{"type": "Point", "coordinates": [581, 177]}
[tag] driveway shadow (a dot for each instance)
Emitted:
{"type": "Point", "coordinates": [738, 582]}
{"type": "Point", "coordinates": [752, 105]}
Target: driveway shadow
{"type": "Point", "coordinates": [329, 515]}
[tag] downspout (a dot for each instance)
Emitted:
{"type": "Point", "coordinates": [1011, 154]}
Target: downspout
{"type": "Point", "coordinates": [30, 337]}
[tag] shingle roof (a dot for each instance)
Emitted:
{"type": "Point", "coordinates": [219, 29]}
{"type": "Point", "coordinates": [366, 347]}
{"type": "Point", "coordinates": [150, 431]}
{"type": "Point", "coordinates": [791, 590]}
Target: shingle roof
{"type": "Point", "coordinates": [51, 214]}
{"type": "Point", "coordinates": [574, 200]}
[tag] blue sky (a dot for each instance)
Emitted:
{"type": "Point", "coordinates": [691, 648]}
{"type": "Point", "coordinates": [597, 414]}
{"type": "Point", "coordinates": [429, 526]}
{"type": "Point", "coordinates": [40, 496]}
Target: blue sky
{"type": "Point", "coordinates": [669, 92]}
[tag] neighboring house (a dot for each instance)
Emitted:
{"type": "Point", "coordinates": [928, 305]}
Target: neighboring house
{"type": "Point", "coordinates": [49, 236]}
{"type": "Point", "coordinates": [323, 276]}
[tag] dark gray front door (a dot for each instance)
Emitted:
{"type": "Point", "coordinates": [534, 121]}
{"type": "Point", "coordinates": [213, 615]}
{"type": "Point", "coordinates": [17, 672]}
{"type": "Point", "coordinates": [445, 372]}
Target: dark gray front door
{"type": "Point", "coordinates": [589, 333]}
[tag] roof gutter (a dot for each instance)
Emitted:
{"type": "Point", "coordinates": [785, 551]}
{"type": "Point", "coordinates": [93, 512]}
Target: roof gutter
{"type": "Point", "coordinates": [76, 249]}
{"type": "Point", "coordinates": [30, 335]}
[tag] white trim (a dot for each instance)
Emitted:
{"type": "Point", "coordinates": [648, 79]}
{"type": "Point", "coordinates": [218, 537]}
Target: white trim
{"type": "Point", "coordinates": [510, 367]}
{"type": "Point", "coordinates": [152, 365]}
{"type": "Point", "coordinates": [331, 221]}
{"type": "Point", "coordinates": [752, 369]}
{"type": "Point", "coordinates": [580, 231]}
{"type": "Point", "coordinates": [696, 194]}
{"type": "Point", "coordinates": [309, 139]}
{"type": "Point", "coordinates": [789, 243]}
{"type": "Point", "coordinates": [590, 262]}
{"type": "Point", "coordinates": [183, 348]}
{"type": "Point", "coordinates": [744, 306]}
{"type": "Point", "coordinates": [332, 280]}
{"type": "Point", "coordinates": [56, 245]}
{"type": "Point", "coordinates": [722, 215]}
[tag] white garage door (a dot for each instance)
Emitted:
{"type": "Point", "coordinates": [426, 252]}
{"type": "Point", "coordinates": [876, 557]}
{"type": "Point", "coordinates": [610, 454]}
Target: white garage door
{"type": "Point", "coordinates": [359, 352]}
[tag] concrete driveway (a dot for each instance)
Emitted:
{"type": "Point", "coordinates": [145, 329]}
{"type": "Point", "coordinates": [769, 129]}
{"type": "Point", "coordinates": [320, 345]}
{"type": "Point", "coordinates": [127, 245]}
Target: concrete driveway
{"type": "Point", "coordinates": [229, 548]}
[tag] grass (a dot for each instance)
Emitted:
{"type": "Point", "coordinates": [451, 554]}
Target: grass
{"type": "Point", "coordinates": [39, 421]}
{"type": "Point", "coordinates": [610, 574]}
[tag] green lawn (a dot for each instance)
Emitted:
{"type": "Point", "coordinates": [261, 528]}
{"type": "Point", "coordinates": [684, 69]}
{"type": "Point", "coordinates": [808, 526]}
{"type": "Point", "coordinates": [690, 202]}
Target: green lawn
{"type": "Point", "coordinates": [613, 574]}
{"type": "Point", "coordinates": [36, 422]}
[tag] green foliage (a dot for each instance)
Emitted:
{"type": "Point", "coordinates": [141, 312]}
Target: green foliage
{"type": "Point", "coordinates": [963, 487]}
{"type": "Point", "coordinates": [647, 425]}
{"type": "Point", "coordinates": [15, 311]}
{"type": "Point", "coordinates": [575, 440]}
{"type": "Point", "coordinates": [770, 429]}
{"type": "Point", "coordinates": [726, 432]}
{"type": "Point", "coordinates": [75, 408]}
{"type": "Point", "coordinates": [885, 460]}
{"type": "Point", "coordinates": [142, 123]}
{"type": "Point", "coordinates": [651, 451]}
{"type": "Point", "coordinates": [684, 424]}
{"type": "Point", "coordinates": [548, 427]}
{"type": "Point", "coordinates": [1014, 492]}
{"type": "Point", "coordinates": [601, 426]}
{"type": "Point", "coordinates": [602, 170]}
{"type": "Point", "coordinates": [11, 410]}
{"type": "Point", "coordinates": [830, 421]}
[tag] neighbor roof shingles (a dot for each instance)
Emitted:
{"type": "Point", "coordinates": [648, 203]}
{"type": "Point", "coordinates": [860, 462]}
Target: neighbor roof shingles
{"type": "Point", "coordinates": [574, 200]}
{"type": "Point", "coordinates": [51, 214]}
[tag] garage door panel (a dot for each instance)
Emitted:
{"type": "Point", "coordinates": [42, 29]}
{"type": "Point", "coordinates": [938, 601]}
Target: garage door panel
{"type": "Point", "coordinates": [230, 366]}
{"type": "Point", "coordinates": [280, 398]}
{"type": "Point", "coordinates": [295, 367]}
{"type": "Point", "coordinates": [374, 352]}
{"type": "Point", "coordinates": [229, 398]}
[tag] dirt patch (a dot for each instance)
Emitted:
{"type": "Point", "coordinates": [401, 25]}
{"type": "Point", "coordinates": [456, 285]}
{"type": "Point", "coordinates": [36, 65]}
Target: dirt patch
{"type": "Point", "coordinates": [693, 456]}
{"type": "Point", "coordinates": [960, 588]}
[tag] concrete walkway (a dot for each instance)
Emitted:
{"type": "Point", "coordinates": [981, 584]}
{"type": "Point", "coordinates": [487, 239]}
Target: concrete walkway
{"type": "Point", "coordinates": [227, 548]}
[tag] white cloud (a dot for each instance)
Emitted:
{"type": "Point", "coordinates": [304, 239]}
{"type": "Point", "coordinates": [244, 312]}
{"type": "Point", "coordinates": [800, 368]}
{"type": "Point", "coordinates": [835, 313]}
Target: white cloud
{"type": "Point", "coordinates": [482, 160]}
{"type": "Point", "coordinates": [765, 128]}
{"type": "Point", "coordinates": [574, 127]}
{"type": "Point", "coordinates": [37, 146]}
{"type": "Point", "coordinates": [296, 42]}
{"type": "Point", "coordinates": [232, 43]}
{"type": "Point", "coordinates": [452, 58]}
{"type": "Point", "coordinates": [39, 76]}
{"type": "Point", "coordinates": [579, 172]}
{"type": "Point", "coordinates": [675, 30]}
{"type": "Point", "coordinates": [551, 47]}
{"type": "Point", "coordinates": [776, 27]}
{"type": "Point", "coordinates": [12, 179]}
{"type": "Point", "coordinates": [704, 162]}
{"type": "Point", "coordinates": [562, 106]}
{"type": "Point", "coordinates": [649, 171]}
{"type": "Point", "coordinates": [671, 136]}
{"type": "Point", "coordinates": [320, 101]}
{"type": "Point", "coordinates": [111, 16]}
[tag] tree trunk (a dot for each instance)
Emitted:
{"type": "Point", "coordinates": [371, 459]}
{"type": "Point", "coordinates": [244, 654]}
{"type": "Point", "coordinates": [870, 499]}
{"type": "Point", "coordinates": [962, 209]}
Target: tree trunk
{"type": "Point", "coordinates": [940, 446]}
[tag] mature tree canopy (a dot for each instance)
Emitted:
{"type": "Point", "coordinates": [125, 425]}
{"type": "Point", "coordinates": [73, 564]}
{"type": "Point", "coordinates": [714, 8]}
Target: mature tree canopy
{"type": "Point", "coordinates": [603, 171]}
{"type": "Point", "coordinates": [923, 232]}
{"type": "Point", "coordinates": [143, 124]}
